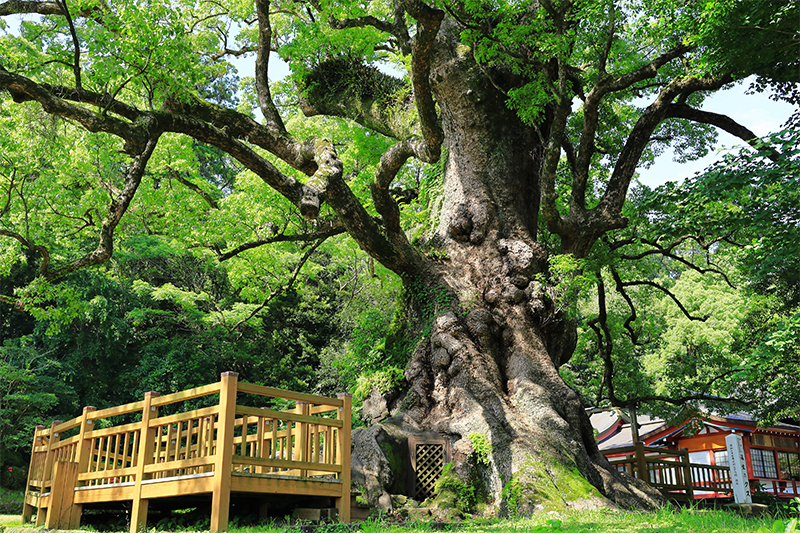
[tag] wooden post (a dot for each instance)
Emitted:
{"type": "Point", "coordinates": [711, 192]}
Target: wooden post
{"type": "Point", "coordinates": [52, 439]}
{"type": "Point", "coordinates": [303, 437]}
{"type": "Point", "coordinates": [62, 495]}
{"type": "Point", "coordinates": [147, 438]}
{"type": "Point", "coordinates": [27, 509]}
{"type": "Point", "coordinates": [223, 462]}
{"type": "Point", "coordinates": [687, 473]}
{"type": "Point", "coordinates": [82, 455]}
{"type": "Point", "coordinates": [634, 423]}
{"type": "Point", "coordinates": [343, 502]}
{"type": "Point", "coordinates": [47, 471]}
{"type": "Point", "coordinates": [641, 465]}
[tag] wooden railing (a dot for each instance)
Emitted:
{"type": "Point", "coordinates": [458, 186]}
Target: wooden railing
{"type": "Point", "coordinates": [90, 459]}
{"type": "Point", "coordinates": [671, 472]}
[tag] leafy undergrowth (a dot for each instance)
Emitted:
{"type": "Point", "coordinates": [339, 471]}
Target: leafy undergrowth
{"type": "Point", "coordinates": [665, 520]}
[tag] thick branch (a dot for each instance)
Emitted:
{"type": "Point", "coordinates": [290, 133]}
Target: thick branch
{"type": "Point", "coordinates": [396, 28]}
{"type": "Point", "coordinates": [211, 201]}
{"type": "Point", "coordinates": [610, 206]}
{"type": "Point", "coordinates": [239, 126]}
{"type": "Point", "coordinates": [272, 119]}
{"type": "Point", "coordinates": [76, 60]}
{"type": "Point", "coordinates": [214, 125]}
{"type": "Point", "coordinates": [29, 245]}
{"type": "Point", "coordinates": [391, 163]}
{"type": "Point", "coordinates": [39, 7]}
{"type": "Point", "coordinates": [383, 113]}
{"type": "Point", "coordinates": [116, 210]}
{"type": "Point", "coordinates": [591, 117]}
{"type": "Point", "coordinates": [682, 111]}
{"type": "Point", "coordinates": [555, 222]}
{"type": "Point", "coordinates": [428, 22]}
{"type": "Point", "coordinates": [287, 186]}
{"type": "Point", "coordinates": [22, 89]}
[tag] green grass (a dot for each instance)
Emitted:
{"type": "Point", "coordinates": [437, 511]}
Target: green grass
{"type": "Point", "coordinates": [665, 520]}
{"type": "Point", "coordinates": [10, 522]}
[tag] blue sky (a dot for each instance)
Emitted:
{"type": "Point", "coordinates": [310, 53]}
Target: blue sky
{"type": "Point", "coordinates": [756, 112]}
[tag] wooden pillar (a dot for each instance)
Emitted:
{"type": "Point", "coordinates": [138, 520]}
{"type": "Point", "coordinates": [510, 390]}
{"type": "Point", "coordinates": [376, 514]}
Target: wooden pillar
{"type": "Point", "coordinates": [223, 462]}
{"type": "Point", "coordinates": [47, 472]}
{"type": "Point", "coordinates": [303, 442]}
{"type": "Point", "coordinates": [641, 465]}
{"type": "Point", "coordinates": [634, 423]}
{"type": "Point", "coordinates": [344, 445]}
{"type": "Point", "coordinates": [147, 443]}
{"type": "Point", "coordinates": [687, 473]}
{"type": "Point", "coordinates": [62, 495]}
{"type": "Point", "coordinates": [748, 458]}
{"type": "Point", "coordinates": [27, 509]}
{"type": "Point", "coordinates": [52, 440]}
{"type": "Point", "coordinates": [82, 455]}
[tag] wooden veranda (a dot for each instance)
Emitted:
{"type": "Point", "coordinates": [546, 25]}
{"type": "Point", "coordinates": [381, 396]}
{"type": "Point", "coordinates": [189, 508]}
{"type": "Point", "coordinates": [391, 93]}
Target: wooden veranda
{"type": "Point", "coordinates": [671, 472]}
{"type": "Point", "coordinates": [173, 451]}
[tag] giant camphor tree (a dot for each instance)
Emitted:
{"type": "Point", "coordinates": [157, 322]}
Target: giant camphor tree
{"type": "Point", "coordinates": [533, 115]}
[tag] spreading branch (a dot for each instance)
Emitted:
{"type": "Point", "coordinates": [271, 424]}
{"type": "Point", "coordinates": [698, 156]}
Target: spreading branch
{"type": "Point", "coordinates": [668, 252]}
{"type": "Point", "coordinates": [76, 61]}
{"type": "Point", "coordinates": [670, 294]}
{"type": "Point", "coordinates": [613, 199]}
{"type": "Point", "coordinates": [31, 246]}
{"type": "Point", "coordinates": [41, 7]}
{"type": "Point", "coordinates": [281, 238]}
{"type": "Point", "coordinates": [397, 28]}
{"type": "Point", "coordinates": [428, 22]}
{"type": "Point", "coordinates": [283, 288]}
{"type": "Point", "coordinates": [628, 325]}
{"type": "Point", "coordinates": [117, 208]}
{"type": "Point", "coordinates": [683, 111]}
{"type": "Point", "coordinates": [591, 118]}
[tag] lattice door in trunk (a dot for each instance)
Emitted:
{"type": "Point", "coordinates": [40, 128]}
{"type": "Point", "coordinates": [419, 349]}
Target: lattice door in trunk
{"type": "Point", "coordinates": [428, 456]}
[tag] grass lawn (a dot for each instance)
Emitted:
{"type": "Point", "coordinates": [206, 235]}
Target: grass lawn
{"type": "Point", "coordinates": [665, 520]}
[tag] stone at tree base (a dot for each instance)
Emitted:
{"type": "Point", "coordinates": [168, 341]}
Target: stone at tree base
{"type": "Point", "coordinates": [379, 459]}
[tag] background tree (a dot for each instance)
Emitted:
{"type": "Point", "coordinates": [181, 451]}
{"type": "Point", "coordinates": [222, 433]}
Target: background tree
{"type": "Point", "coordinates": [527, 184]}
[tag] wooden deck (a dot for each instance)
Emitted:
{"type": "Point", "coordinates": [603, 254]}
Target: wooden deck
{"type": "Point", "coordinates": [216, 450]}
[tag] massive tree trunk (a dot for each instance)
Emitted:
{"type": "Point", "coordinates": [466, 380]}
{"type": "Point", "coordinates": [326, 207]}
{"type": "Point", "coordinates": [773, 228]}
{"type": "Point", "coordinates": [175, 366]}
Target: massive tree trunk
{"type": "Point", "coordinates": [490, 363]}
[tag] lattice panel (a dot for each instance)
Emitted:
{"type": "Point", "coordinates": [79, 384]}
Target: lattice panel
{"type": "Point", "coordinates": [430, 460]}
{"type": "Point", "coordinates": [761, 440]}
